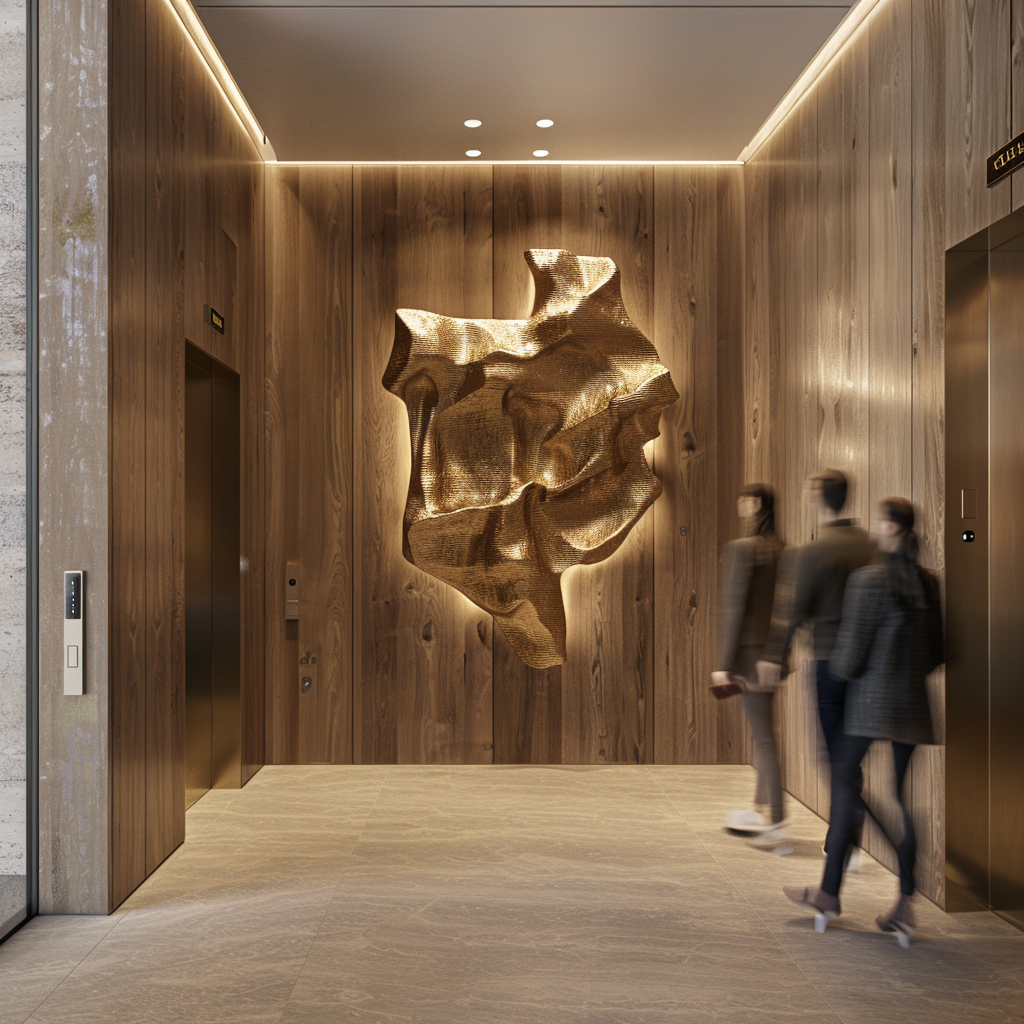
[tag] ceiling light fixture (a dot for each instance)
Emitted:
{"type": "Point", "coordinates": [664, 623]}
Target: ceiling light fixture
{"type": "Point", "coordinates": [540, 152]}
{"type": "Point", "coordinates": [545, 122]}
{"type": "Point", "coordinates": [473, 152]}
{"type": "Point", "coordinates": [472, 123]}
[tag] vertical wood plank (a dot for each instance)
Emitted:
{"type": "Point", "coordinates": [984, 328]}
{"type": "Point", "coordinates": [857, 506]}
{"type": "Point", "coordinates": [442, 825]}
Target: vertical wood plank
{"type": "Point", "coordinates": [323, 344]}
{"type": "Point", "coordinates": [936, 36]}
{"type": "Point", "coordinates": [527, 215]}
{"type": "Point", "coordinates": [757, 363]}
{"type": "Point", "coordinates": [127, 390]}
{"type": "Point", "coordinates": [733, 742]}
{"type": "Point", "coordinates": [977, 48]}
{"type": "Point", "coordinates": [607, 679]}
{"type": "Point", "coordinates": [281, 441]}
{"type": "Point", "coordinates": [685, 457]}
{"type": "Point", "coordinates": [928, 461]}
{"type": "Point", "coordinates": [165, 367]}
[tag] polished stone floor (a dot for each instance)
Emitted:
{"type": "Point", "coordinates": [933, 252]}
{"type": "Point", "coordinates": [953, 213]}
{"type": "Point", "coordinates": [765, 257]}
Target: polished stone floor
{"type": "Point", "coordinates": [414, 894]}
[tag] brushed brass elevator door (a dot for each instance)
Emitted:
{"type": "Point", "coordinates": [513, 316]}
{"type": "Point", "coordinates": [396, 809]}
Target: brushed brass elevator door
{"type": "Point", "coordinates": [985, 571]}
{"type": "Point", "coordinates": [212, 590]}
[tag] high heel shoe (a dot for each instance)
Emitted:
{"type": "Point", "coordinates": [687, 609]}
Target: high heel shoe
{"type": "Point", "coordinates": [900, 921]}
{"type": "Point", "coordinates": [825, 905]}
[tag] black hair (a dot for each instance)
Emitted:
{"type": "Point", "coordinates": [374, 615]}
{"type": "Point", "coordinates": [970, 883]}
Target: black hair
{"type": "Point", "coordinates": [902, 564]}
{"type": "Point", "coordinates": [764, 521]}
{"type": "Point", "coordinates": [834, 485]}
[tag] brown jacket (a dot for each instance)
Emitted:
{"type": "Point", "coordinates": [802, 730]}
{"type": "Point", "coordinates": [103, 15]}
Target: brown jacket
{"type": "Point", "coordinates": [746, 594]}
{"type": "Point", "coordinates": [814, 593]}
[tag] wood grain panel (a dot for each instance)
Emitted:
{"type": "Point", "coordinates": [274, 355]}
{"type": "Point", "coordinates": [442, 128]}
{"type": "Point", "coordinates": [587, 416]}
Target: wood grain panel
{"type": "Point", "coordinates": [127, 390]}
{"type": "Point", "coordinates": [734, 743]}
{"type": "Point", "coordinates": [281, 442]}
{"type": "Point", "coordinates": [934, 33]}
{"type": "Point", "coordinates": [685, 459]}
{"type": "Point", "coordinates": [424, 660]}
{"type": "Point", "coordinates": [928, 389]}
{"type": "Point", "coordinates": [977, 48]}
{"type": "Point", "coordinates": [323, 341]}
{"type": "Point", "coordinates": [527, 702]}
{"type": "Point", "coordinates": [608, 677]}
{"type": "Point", "coordinates": [165, 365]}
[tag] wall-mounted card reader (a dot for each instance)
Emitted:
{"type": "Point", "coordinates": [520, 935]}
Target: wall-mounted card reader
{"type": "Point", "coordinates": [291, 591]}
{"type": "Point", "coordinates": [74, 633]}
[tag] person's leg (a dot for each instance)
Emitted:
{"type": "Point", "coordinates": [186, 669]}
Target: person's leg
{"type": "Point", "coordinates": [906, 849]}
{"type": "Point", "coordinates": [831, 693]}
{"type": "Point", "coordinates": [758, 708]}
{"type": "Point", "coordinates": [847, 808]}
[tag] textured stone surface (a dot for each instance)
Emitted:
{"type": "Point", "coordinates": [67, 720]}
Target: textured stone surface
{"type": "Point", "coordinates": [12, 443]}
{"type": "Point", "coordinates": [562, 895]}
{"type": "Point", "coordinates": [528, 443]}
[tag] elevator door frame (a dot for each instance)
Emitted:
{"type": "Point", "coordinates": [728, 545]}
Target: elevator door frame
{"type": "Point", "coordinates": [982, 697]}
{"type": "Point", "coordinates": [217, 653]}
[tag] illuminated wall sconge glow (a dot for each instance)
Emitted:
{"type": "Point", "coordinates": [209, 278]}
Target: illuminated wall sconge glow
{"type": "Point", "coordinates": [545, 122]}
{"type": "Point", "coordinates": [473, 152]}
{"type": "Point", "coordinates": [472, 123]}
{"type": "Point", "coordinates": [540, 152]}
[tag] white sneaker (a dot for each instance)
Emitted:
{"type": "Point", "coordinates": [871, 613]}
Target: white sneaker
{"type": "Point", "coordinates": [747, 820]}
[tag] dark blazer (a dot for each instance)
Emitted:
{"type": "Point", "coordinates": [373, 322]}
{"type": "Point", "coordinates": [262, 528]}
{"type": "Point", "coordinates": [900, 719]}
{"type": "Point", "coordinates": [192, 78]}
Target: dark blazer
{"type": "Point", "coordinates": [745, 596]}
{"type": "Point", "coordinates": [886, 651]}
{"type": "Point", "coordinates": [816, 576]}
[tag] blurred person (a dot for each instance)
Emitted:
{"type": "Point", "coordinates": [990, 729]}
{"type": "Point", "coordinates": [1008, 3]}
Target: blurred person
{"type": "Point", "coordinates": [819, 572]}
{"type": "Point", "coordinates": [746, 597]}
{"type": "Point", "coordinates": [889, 641]}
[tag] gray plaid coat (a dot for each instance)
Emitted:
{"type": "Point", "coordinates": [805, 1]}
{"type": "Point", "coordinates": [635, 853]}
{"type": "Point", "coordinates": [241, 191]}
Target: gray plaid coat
{"type": "Point", "coordinates": [886, 651]}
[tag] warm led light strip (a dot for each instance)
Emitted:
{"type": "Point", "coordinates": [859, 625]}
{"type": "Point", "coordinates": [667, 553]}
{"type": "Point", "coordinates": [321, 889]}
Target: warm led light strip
{"type": "Point", "coordinates": [536, 162]}
{"type": "Point", "coordinates": [852, 21]}
{"type": "Point", "coordinates": [196, 31]}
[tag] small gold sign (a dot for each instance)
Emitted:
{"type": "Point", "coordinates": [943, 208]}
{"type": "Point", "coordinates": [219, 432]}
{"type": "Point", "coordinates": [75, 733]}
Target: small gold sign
{"type": "Point", "coordinates": [216, 320]}
{"type": "Point", "coordinates": [1006, 160]}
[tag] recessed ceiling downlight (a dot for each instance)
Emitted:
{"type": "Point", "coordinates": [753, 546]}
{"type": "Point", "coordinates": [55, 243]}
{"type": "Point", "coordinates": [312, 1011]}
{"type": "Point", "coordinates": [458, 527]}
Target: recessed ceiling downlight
{"type": "Point", "coordinates": [473, 152]}
{"type": "Point", "coordinates": [545, 122]}
{"type": "Point", "coordinates": [540, 152]}
{"type": "Point", "coordinates": [472, 123]}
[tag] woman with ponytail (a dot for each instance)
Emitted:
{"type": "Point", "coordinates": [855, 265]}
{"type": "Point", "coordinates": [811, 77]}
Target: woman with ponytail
{"type": "Point", "coordinates": [890, 639]}
{"type": "Point", "coordinates": [746, 595]}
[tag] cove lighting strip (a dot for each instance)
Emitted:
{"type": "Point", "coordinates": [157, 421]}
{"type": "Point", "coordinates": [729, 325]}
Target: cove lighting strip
{"type": "Point", "coordinates": [196, 31]}
{"type": "Point", "coordinates": [508, 163]}
{"type": "Point", "coordinates": [854, 19]}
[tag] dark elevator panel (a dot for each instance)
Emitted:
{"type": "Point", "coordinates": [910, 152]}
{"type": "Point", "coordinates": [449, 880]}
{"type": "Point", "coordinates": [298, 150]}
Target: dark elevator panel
{"type": "Point", "coordinates": [1006, 466]}
{"type": "Point", "coordinates": [984, 577]}
{"type": "Point", "coordinates": [212, 582]}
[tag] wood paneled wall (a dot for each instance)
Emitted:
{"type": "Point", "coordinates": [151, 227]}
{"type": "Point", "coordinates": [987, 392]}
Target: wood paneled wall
{"type": "Point", "coordinates": [186, 228]}
{"type": "Point", "coordinates": [850, 205]}
{"type": "Point", "coordinates": [408, 669]}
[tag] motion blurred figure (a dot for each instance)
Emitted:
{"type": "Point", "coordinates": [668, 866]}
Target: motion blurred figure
{"type": "Point", "coordinates": [819, 573]}
{"type": "Point", "coordinates": [747, 593]}
{"type": "Point", "coordinates": [889, 641]}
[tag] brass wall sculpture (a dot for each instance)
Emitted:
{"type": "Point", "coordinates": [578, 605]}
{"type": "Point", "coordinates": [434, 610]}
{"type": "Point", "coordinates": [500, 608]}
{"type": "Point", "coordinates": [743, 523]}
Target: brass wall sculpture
{"type": "Point", "coordinates": [527, 443]}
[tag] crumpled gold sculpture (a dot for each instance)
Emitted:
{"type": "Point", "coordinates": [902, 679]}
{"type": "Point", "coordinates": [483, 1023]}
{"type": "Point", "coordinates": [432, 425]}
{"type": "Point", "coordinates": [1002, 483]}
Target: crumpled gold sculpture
{"type": "Point", "coordinates": [527, 443]}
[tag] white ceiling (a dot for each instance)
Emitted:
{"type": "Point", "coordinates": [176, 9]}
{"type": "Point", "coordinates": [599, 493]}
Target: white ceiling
{"type": "Point", "coordinates": [628, 80]}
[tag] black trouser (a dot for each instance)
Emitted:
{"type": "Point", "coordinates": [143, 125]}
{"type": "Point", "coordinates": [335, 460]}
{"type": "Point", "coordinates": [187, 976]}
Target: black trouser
{"type": "Point", "coordinates": [831, 705]}
{"type": "Point", "coordinates": [848, 812]}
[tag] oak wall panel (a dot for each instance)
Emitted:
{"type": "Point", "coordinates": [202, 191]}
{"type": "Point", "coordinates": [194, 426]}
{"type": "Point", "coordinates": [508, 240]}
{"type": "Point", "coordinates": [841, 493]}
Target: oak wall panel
{"type": "Point", "coordinates": [431, 681]}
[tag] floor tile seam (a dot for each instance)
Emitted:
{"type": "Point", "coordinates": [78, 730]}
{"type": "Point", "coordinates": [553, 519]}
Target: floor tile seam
{"type": "Point", "coordinates": [92, 949]}
{"type": "Point", "coordinates": [754, 911]}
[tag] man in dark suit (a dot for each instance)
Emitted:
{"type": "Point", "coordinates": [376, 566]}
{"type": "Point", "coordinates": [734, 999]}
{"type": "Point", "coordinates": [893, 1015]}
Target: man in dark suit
{"type": "Point", "coordinates": [819, 572]}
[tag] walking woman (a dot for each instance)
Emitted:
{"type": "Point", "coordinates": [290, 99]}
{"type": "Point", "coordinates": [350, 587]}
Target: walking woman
{"type": "Point", "coordinates": [749, 569]}
{"type": "Point", "coordinates": [890, 639]}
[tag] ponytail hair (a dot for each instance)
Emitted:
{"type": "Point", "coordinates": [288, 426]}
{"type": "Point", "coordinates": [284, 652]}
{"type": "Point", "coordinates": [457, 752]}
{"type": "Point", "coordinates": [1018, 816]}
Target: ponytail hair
{"type": "Point", "coordinates": [764, 522]}
{"type": "Point", "coordinates": [903, 563]}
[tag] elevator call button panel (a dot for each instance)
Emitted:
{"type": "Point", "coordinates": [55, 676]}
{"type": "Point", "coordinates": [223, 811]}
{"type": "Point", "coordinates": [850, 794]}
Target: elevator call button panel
{"type": "Point", "coordinates": [74, 633]}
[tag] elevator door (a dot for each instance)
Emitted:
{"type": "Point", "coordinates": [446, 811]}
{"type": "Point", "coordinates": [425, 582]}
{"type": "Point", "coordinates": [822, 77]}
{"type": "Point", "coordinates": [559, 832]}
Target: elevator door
{"type": "Point", "coordinates": [212, 591]}
{"type": "Point", "coordinates": [985, 571]}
